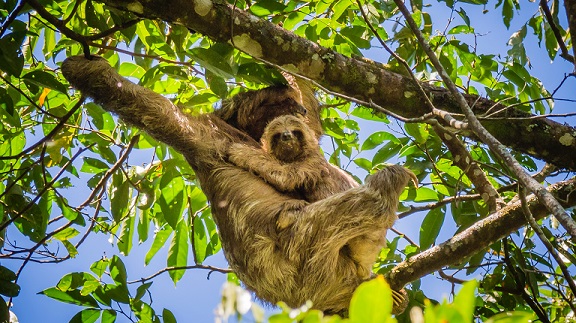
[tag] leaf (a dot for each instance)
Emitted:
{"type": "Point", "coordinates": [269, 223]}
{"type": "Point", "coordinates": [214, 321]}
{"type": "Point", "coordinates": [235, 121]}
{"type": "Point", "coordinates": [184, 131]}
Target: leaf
{"type": "Point", "coordinates": [200, 239]}
{"type": "Point", "coordinates": [88, 315]}
{"type": "Point", "coordinates": [371, 302]}
{"type": "Point", "coordinates": [267, 7]}
{"type": "Point", "coordinates": [71, 297]}
{"type": "Point", "coordinates": [11, 58]}
{"type": "Point", "coordinates": [211, 60]}
{"type": "Point", "coordinates": [167, 316]}
{"type": "Point", "coordinates": [171, 200]}
{"type": "Point", "coordinates": [430, 228]}
{"type": "Point", "coordinates": [160, 239]}
{"type": "Point", "coordinates": [108, 316]}
{"type": "Point", "coordinates": [142, 289]}
{"type": "Point", "coordinates": [118, 271]}
{"type": "Point", "coordinates": [417, 130]}
{"type": "Point", "coordinates": [99, 267]}
{"type": "Point", "coordinates": [93, 166]}
{"type": "Point", "coordinates": [70, 248]}
{"type": "Point", "coordinates": [45, 80]}
{"type": "Point", "coordinates": [127, 232]}
{"type": "Point", "coordinates": [465, 300]}
{"type": "Point", "coordinates": [9, 289]}
{"type": "Point", "coordinates": [120, 196]}
{"type": "Point", "coordinates": [378, 138]}
{"type": "Point", "coordinates": [178, 252]}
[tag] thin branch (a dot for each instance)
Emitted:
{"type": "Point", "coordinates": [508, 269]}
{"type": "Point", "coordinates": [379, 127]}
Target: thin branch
{"type": "Point", "coordinates": [167, 269]}
{"type": "Point", "coordinates": [410, 241]}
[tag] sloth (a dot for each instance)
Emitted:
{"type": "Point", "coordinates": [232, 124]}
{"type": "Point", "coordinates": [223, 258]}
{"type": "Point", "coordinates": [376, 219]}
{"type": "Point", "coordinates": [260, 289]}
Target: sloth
{"type": "Point", "coordinates": [291, 161]}
{"type": "Point", "coordinates": [307, 258]}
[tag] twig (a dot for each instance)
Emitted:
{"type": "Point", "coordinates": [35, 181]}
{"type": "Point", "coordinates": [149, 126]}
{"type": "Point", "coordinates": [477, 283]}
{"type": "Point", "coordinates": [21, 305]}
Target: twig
{"type": "Point", "coordinates": [410, 241]}
{"type": "Point", "coordinates": [167, 269]}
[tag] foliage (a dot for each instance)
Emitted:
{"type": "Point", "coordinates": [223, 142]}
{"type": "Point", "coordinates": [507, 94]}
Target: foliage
{"type": "Point", "coordinates": [69, 170]}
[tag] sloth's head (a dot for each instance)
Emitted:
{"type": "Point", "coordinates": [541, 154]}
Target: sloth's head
{"type": "Point", "coordinates": [289, 139]}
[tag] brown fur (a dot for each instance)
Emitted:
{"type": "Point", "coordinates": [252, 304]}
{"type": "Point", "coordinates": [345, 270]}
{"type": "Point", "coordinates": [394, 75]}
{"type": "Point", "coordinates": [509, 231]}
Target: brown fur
{"type": "Point", "coordinates": [305, 260]}
{"type": "Point", "coordinates": [291, 161]}
{"type": "Point", "coordinates": [251, 111]}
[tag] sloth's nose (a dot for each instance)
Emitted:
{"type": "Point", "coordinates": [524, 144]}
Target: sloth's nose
{"type": "Point", "coordinates": [286, 135]}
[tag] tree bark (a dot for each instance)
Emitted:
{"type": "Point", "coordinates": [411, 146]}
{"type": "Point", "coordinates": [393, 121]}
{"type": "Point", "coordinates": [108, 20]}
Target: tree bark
{"type": "Point", "coordinates": [362, 79]}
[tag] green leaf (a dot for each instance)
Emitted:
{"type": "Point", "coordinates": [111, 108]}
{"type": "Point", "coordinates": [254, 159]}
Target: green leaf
{"type": "Point", "coordinates": [371, 302]}
{"type": "Point", "coordinates": [178, 252]}
{"type": "Point", "coordinates": [363, 163]}
{"type": "Point", "coordinates": [211, 60]}
{"type": "Point", "coordinates": [88, 315]}
{"type": "Point", "coordinates": [142, 289]}
{"type": "Point", "coordinates": [71, 297]}
{"type": "Point", "coordinates": [11, 58]}
{"type": "Point", "coordinates": [267, 7]}
{"type": "Point", "coordinates": [9, 289]}
{"type": "Point", "coordinates": [200, 239]}
{"type": "Point", "coordinates": [419, 131]}
{"type": "Point", "coordinates": [127, 232]}
{"type": "Point", "coordinates": [465, 300]}
{"type": "Point", "coordinates": [507, 12]}
{"type": "Point", "coordinates": [93, 166]}
{"type": "Point", "coordinates": [45, 80]}
{"type": "Point", "coordinates": [425, 194]}
{"type": "Point", "coordinates": [66, 234]}
{"type": "Point", "coordinates": [160, 239]}
{"type": "Point", "coordinates": [118, 271]}
{"type": "Point", "coordinates": [70, 248]}
{"type": "Point", "coordinates": [167, 316]}
{"type": "Point", "coordinates": [430, 228]}
{"type": "Point", "coordinates": [99, 267]}
{"type": "Point", "coordinates": [171, 200]}
{"type": "Point", "coordinates": [120, 196]}
{"type": "Point", "coordinates": [6, 274]}
{"type": "Point", "coordinates": [378, 138]}
{"type": "Point", "coordinates": [108, 316]}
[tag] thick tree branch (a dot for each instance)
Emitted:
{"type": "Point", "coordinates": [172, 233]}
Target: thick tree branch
{"type": "Point", "coordinates": [359, 78]}
{"type": "Point", "coordinates": [478, 237]}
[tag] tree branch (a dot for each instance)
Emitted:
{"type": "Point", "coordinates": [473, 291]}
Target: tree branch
{"type": "Point", "coordinates": [478, 237]}
{"type": "Point", "coordinates": [359, 78]}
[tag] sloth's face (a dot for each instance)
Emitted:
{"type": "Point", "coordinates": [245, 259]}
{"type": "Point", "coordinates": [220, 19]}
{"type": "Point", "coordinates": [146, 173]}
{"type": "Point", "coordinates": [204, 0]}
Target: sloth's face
{"type": "Point", "coordinates": [288, 138]}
